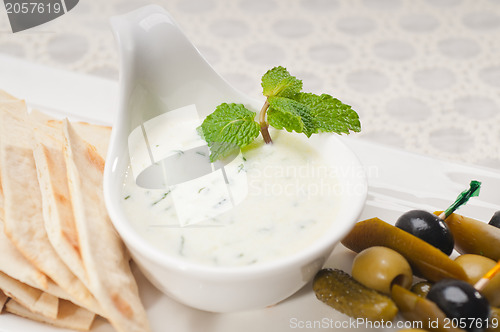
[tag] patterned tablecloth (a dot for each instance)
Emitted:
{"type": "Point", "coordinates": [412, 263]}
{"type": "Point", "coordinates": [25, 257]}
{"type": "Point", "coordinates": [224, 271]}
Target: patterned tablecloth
{"type": "Point", "coordinates": [424, 75]}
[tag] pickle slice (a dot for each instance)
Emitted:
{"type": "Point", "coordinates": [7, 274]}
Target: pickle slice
{"type": "Point", "coordinates": [341, 292]}
{"type": "Point", "coordinates": [418, 309]}
{"type": "Point", "coordinates": [425, 260]}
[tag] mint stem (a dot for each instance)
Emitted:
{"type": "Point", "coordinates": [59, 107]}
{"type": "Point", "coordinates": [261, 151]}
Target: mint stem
{"type": "Point", "coordinates": [462, 198]}
{"type": "Point", "coordinates": [264, 125]}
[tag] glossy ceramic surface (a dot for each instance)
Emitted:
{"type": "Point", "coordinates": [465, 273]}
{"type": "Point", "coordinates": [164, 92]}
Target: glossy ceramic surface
{"type": "Point", "coordinates": [162, 71]}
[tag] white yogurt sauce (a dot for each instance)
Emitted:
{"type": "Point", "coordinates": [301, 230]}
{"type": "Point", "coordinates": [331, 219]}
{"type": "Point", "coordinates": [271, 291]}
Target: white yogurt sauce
{"type": "Point", "coordinates": [292, 198]}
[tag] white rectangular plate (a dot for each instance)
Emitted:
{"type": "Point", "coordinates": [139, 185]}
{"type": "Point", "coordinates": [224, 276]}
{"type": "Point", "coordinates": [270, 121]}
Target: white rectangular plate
{"type": "Point", "coordinates": [398, 181]}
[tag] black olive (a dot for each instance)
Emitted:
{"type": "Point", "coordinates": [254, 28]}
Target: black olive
{"type": "Point", "coordinates": [459, 299]}
{"type": "Point", "coordinates": [495, 220]}
{"type": "Point", "coordinates": [428, 227]}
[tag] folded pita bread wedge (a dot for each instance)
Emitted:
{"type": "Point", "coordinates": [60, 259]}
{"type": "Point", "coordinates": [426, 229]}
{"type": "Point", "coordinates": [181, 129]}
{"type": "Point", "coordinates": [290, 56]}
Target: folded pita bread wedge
{"type": "Point", "coordinates": [14, 264]}
{"type": "Point", "coordinates": [13, 105]}
{"type": "Point", "coordinates": [23, 216]}
{"type": "Point", "coordinates": [103, 253]}
{"type": "Point", "coordinates": [47, 305]}
{"type": "Point", "coordinates": [3, 300]}
{"type": "Point", "coordinates": [32, 298]}
{"type": "Point", "coordinates": [6, 97]}
{"type": "Point", "coordinates": [69, 315]}
{"type": "Point", "coordinates": [16, 105]}
{"type": "Point", "coordinates": [96, 135]}
{"type": "Point", "coordinates": [11, 260]}
{"type": "Point", "coordinates": [53, 180]}
{"type": "Point", "coordinates": [57, 209]}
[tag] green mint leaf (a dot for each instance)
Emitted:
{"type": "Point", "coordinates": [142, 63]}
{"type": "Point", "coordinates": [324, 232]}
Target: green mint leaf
{"type": "Point", "coordinates": [285, 113]}
{"type": "Point", "coordinates": [330, 114]}
{"type": "Point", "coordinates": [199, 130]}
{"type": "Point", "coordinates": [228, 128]}
{"type": "Point", "coordinates": [279, 82]}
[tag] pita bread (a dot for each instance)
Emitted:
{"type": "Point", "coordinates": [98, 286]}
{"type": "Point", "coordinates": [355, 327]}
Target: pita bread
{"type": "Point", "coordinates": [14, 264]}
{"type": "Point", "coordinates": [47, 305]}
{"type": "Point", "coordinates": [13, 105]}
{"type": "Point", "coordinates": [5, 97]}
{"type": "Point", "coordinates": [96, 135]}
{"type": "Point", "coordinates": [3, 300]}
{"type": "Point", "coordinates": [110, 278]}
{"type": "Point", "coordinates": [69, 315]}
{"type": "Point", "coordinates": [23, 217]}
{"type": "Point", "coordinates": [32, 298]}
{"type": "Point", "coordinates": [57, 209]}
{"type": "Point", "coordinates": [26, 242]}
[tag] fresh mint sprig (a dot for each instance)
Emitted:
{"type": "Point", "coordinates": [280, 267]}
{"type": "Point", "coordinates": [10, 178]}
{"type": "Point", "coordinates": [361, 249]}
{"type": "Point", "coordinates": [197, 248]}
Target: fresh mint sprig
{"type": "Point", "coordinates": [232, 126]}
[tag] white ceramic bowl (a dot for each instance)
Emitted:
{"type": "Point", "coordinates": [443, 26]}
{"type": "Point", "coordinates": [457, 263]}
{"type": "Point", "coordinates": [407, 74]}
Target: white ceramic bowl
{"type": "Point", "coordinates": [160, 71]}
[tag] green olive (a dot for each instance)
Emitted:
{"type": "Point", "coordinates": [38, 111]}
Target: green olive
{"type": "Point", "coordinates": [421, 288]}
{"type": "Point", "coordinates": [380, 267]}
{"type": "Point", "coordinates": [476, 266]}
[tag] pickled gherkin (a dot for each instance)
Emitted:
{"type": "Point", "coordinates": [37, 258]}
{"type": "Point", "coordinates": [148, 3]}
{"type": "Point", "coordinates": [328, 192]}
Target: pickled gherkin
{"type": "Point", "coordinates": [425, 260]}
{"type": "Point", "coordinates": [415, 308]}
{"type": "Point", "coordinates": [341, 292]}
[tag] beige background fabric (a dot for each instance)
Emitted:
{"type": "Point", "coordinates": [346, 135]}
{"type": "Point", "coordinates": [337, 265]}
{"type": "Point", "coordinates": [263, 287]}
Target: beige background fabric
{"type": "Point", "coordinates": [424, 75]}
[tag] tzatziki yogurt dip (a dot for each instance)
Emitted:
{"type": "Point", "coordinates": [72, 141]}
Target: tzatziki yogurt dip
{"type": "Point", "coordinates": [289, 200]}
